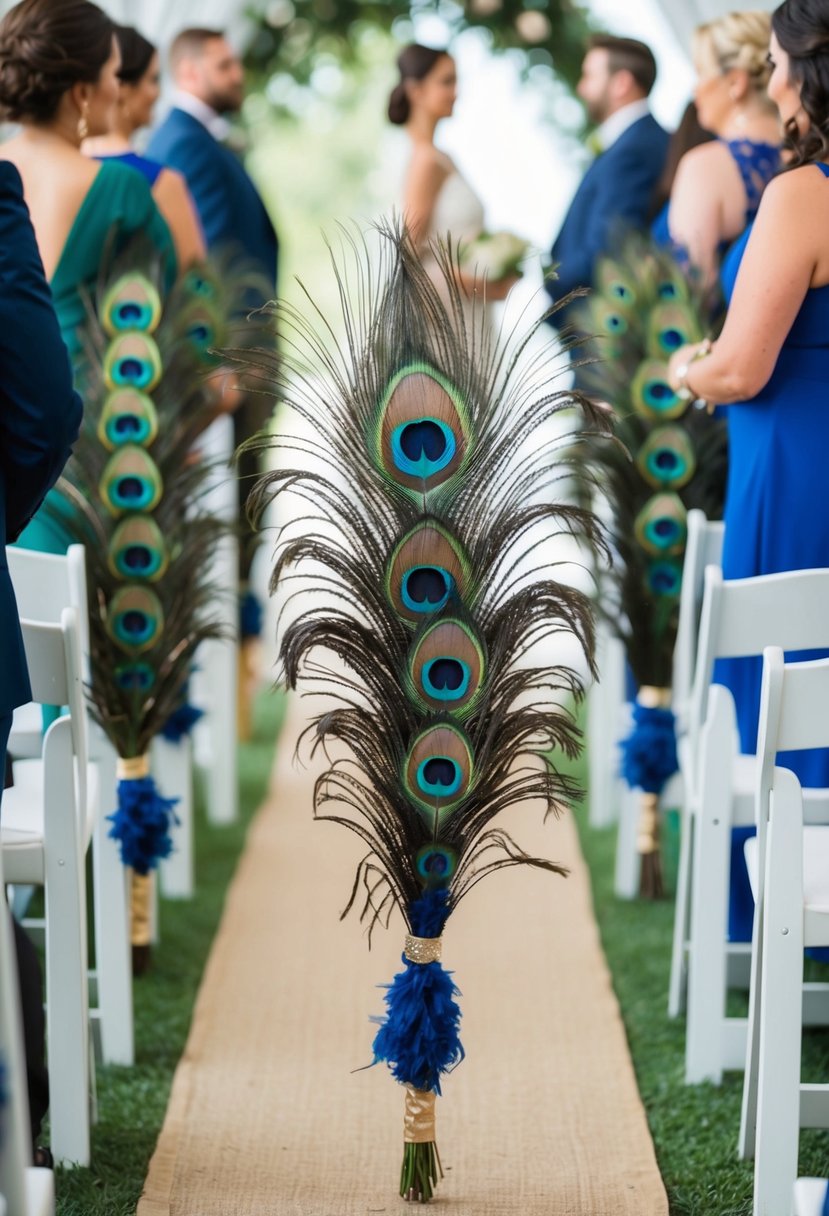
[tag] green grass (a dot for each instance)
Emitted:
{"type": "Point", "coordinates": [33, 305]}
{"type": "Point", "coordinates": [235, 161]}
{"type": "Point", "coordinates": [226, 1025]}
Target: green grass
{"type": "Point", "coordinates": [694, 1127]}
{"type": "Point", "coordinates": [132, 1101]}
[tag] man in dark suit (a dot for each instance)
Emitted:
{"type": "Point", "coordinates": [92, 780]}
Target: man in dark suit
{"type": "Point", "coordinates": [616, 191]}
{"type": "Point", "coordinates": [209, 82]}
{"type": "Point", "coordinates": [39, 420]}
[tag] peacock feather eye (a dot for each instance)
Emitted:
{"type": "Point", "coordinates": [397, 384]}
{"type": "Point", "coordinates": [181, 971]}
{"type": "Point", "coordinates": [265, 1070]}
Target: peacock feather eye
{"type": "Point", "coordinates": [131, 481]}
{"type": "Point", "coordinates": [200, 282]}
{"type": "Point", "coordinates": [666, 459]}
{"type": "Point", "coordinates": [670, 326]}
{"type": "Point", "coordinates": [132, 361]}
{"type": "Point", "coordinates": [134, 677]}
{"type": "Point", "coordinates": [446, 667]}
{"type": "Point", "coordinates": [664, 578]}
{"type": "Point", "coordinates": [661, 527]}
{"type": "Point", "coordinates": [132, 303]}
{"type": "Point", "coordinates": [202, 326]}
{"type": "Point", "coordinates": [128, 416]}
{"type": "Point", "coordinates": [422, 429]}
{"type": "Point", "coordinates": [135, 619]}
{"type": "Point", "coordinates": [436, 864]}
{"type": "Point", "coordinates": [137, 549]}
{"type": "Point", "coordinates": [615, 285]}
{"type": "Point", "coordinates": [426, 569]}
{"type": "Point", "coordinates": [652, 395]}
{"type": "Point", "coordinates": [438, 771]}
{"type": "Point", "coordinates": [608, 319]}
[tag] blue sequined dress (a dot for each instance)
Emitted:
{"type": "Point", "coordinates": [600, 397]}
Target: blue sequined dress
{"type": "Point", "coordinates": [774, 515]}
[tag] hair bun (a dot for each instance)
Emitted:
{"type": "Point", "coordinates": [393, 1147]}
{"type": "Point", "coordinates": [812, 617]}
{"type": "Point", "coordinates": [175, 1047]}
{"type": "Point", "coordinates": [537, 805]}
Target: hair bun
{"type": "Point", "coordinates": [399, 104]}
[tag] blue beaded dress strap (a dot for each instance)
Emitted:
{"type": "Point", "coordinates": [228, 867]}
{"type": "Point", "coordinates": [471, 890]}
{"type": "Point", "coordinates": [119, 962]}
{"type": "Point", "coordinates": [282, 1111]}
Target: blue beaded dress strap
{"type": "Point", "coordinates": [757, 163]}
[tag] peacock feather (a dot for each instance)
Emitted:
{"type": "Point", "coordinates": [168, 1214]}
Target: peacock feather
{"type": "Point", "coordinates": [433, 464]}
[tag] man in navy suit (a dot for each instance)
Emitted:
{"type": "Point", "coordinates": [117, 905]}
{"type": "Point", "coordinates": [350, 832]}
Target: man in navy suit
{"type": "Point", "coordinates": [40, 416]}
{"type": "Point", "coordinates": [615, 193]}
{"type": "Point", "coordinates": [209, 81]}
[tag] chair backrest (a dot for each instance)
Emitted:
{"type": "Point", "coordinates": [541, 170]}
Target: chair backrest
{"type": "Point", "coordinates": [46, 583]}
{"type": "Point", "coordinates": [703, 548]}
{"type": "Point", "coordinates": [53, 656]}
{"type": "Point", "coordinates": [741, 617]}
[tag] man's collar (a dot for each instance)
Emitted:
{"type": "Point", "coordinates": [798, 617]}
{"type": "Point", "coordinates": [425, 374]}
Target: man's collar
{"type": "Point", "coordinates": [216, 124]}
{"type": "Point", "coordinates": [616, 125]}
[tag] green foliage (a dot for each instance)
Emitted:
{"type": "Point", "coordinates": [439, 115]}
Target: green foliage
{"type": "Point", "coordinates": [291, 35]}
{"type": "Point", "coordinates": [694, 1127]}
{"type": "Point", "coordinates": [132, 1101]}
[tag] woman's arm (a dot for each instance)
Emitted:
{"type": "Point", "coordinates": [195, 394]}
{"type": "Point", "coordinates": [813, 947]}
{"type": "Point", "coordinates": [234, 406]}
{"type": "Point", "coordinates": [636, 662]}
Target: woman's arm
{"type": "Point", "coordinates": [788, 245]}
{"type": "Point", "coordinates": [427, 173]}
{"type": "Point", "coordinates": [176, 205]}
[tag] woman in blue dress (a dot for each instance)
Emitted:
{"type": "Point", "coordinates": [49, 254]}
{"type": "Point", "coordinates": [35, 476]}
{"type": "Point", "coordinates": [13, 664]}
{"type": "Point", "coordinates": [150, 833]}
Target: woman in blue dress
{"type": "Point", "coordinates": [718, 184]}
{"type": "Point", "coordinates": [140, 75]}
{"type": "Point", "coordinates": [771, 362]}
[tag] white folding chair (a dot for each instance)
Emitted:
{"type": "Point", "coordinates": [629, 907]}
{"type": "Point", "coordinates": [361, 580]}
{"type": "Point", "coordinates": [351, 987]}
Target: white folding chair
{"type": "Point", "coordinates": [45, 584]}
{"type": "Point", "coordinates": [47, 822]}
{"type": "Point", "coordinates": [788, 864]}
{"type": "Point", "coordinates": [740, 617]}
{"type": "Point", "coordinates": [810, 1196]}
{"type": "Point", "coordinates": [703, 548]}
{"type": "Point", "coordinates": [24, 1190]}
{"type": "Point", "coordinates": [605, 707]}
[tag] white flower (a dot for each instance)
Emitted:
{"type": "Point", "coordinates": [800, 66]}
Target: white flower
{"type": "Point", "coordinates": [494, 255]}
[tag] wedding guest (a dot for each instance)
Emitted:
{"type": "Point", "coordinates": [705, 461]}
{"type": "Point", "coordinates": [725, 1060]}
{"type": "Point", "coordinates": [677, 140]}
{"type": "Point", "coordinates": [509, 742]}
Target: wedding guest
{"type": "Point", "coordinates": [59, 80]}
{"type": "Point", "coordinates": [617, 76]}
{"type": "Point", "coordinates": [438, 204]}
{"type": "Point", "coordinates": [209, 85]}
{"type": "Point", "coordinates": [771, 361]}
{"type": "Point", "coordinates": [718, 185]}
{"type": "Point", "coordinates": [39, 420]}
{"type": "Point", "coordinates": [140, 78]}
{"type": "Point", "coordinates": [688, 134]}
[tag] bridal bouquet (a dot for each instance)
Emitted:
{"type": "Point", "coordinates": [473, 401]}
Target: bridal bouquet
{"type": "Point", "coordinates": [494, 254]}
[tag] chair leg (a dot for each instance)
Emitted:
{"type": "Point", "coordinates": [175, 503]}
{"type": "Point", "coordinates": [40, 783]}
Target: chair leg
{"type": "Point", "coordinates": [173, 766]}
{"type": "Point", "coordinates": [677, 991]}
{"type": "Point", "coordinates": [707, 965]}
{"type": "Point", "coordinates": [628, 864]}
{"type": "Point", "coordinates": [748, 1113]}
{"type": "Point", "coordinates": [781, 1014]}
{"type": "Point", "coordinates": [112, 927]}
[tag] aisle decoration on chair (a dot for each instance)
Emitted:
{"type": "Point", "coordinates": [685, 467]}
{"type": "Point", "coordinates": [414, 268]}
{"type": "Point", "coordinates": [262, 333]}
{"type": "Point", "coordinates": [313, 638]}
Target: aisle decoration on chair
{"type": "Point", "coordinates": [672, 457]}
{"type": "Point", "coordinates": [132, 496]}
{"type": "Point", "coordinates": [430, 480]}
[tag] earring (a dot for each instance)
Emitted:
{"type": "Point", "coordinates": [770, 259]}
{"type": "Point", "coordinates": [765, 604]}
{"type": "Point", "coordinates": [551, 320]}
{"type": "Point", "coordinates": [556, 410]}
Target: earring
{"type": "Point", "coordinates": [83, 124]}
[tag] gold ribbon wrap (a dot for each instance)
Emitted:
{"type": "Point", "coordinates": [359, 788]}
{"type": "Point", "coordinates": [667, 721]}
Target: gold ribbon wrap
{"type": "Point", "coordinates": [133, 768]}
{"type": "Point", "coordinates": [422, 949]}
{"type": "Point", "coordinates": [651, 697]}
{"type": "Point", "coordinates": [140, 906]}
{"type": "Point", "coordinates": [419, 1116]}
{"type": "Point", "coordinates": [647, 838]}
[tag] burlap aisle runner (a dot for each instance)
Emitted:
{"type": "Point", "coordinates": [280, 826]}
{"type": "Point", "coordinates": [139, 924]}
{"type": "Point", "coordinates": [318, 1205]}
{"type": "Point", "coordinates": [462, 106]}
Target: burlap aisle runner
{"type": "Point", "coordinates": [266, 1119]}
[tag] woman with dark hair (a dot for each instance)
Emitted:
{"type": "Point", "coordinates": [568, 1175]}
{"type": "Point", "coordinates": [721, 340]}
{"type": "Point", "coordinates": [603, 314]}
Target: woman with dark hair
{"type": "Point", "coordinates": [59, 62]}
{"type": "Point", "coordinates": [771, 363]}
{"type": "Point", "coordinates": [140, 76]}
{"type": "Point", "coordinates": [437, 200]}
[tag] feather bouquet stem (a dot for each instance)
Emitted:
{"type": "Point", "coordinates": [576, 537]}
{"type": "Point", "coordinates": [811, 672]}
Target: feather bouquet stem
{"type": "Point", "coordinates": [430, 465]}
{"type": "Point", "coordinates": [672, 457]}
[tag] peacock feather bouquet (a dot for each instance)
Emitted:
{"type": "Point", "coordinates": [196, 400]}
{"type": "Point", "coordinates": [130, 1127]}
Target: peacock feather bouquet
{"type": "Point", "coordinates": [430, 476]}
{"type": "Point", "coordinates": [672, 457]}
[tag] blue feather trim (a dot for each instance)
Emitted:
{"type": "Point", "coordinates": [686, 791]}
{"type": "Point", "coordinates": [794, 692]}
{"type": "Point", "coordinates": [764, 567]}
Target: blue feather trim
{"type": "Point", "coordinates": [181, 722]}
{"type": "Point", "coordinates": [419, 1036]}
{"type": "Point", "coordinates": [250, 616]}
{"type": "Point", "coordinates": [142, 824]}
{"type": "Point", "coordinates": [649, 752]}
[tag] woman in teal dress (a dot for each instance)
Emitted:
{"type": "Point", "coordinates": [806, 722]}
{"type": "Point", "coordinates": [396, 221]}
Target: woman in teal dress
{"type": "Point", "coordinates": [771, 363]}
{"type": "Point", "coordinates": [59, 81]}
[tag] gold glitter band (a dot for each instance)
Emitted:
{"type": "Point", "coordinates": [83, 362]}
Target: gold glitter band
{"type": "Point", "coordinates": [647, 838]}
{"type": "Point", "coordinates": [419, 1116]}
{"type": "Point", "coordinates": [422, 949]}
{"type": "Point", "coordinates": [651, 697]}
{"type": "Point", "coordinates": [133, 768]}
{"type": "Point", "coordinates": [140, 909]}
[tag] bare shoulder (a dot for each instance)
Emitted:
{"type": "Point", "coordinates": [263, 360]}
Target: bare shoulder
{"type": "Point", "coordinates": [170, 183]}
{"type": "Point", "coordinates": [705, 162]}
{"type": "Point", "coordinates": [797, 192]}
{"type": "Point", "coordinates": [429, 160]}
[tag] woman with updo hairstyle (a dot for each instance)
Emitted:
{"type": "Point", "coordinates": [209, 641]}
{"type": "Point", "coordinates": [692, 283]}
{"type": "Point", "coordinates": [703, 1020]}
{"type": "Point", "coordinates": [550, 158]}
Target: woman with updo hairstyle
{"type": "Point", "coordinates": [59, 62]}
{"type": "Point", "coordinates": [140, 79]}
{"type": "Point", "coordinates": [437, 201]}
{"type": "Point", "coordinates": [770, 365]}
{"type": "Point", "coordinates": [718, 185]}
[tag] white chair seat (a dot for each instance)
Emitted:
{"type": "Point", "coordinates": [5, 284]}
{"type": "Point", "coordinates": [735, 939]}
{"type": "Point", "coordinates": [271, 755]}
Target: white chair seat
{"type": "Point", "coordinates": [809, 1194]}
{"type": "Point", "coordinates": [22, 830]}
{"type": "Point", "coordinates": [815, 870]}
